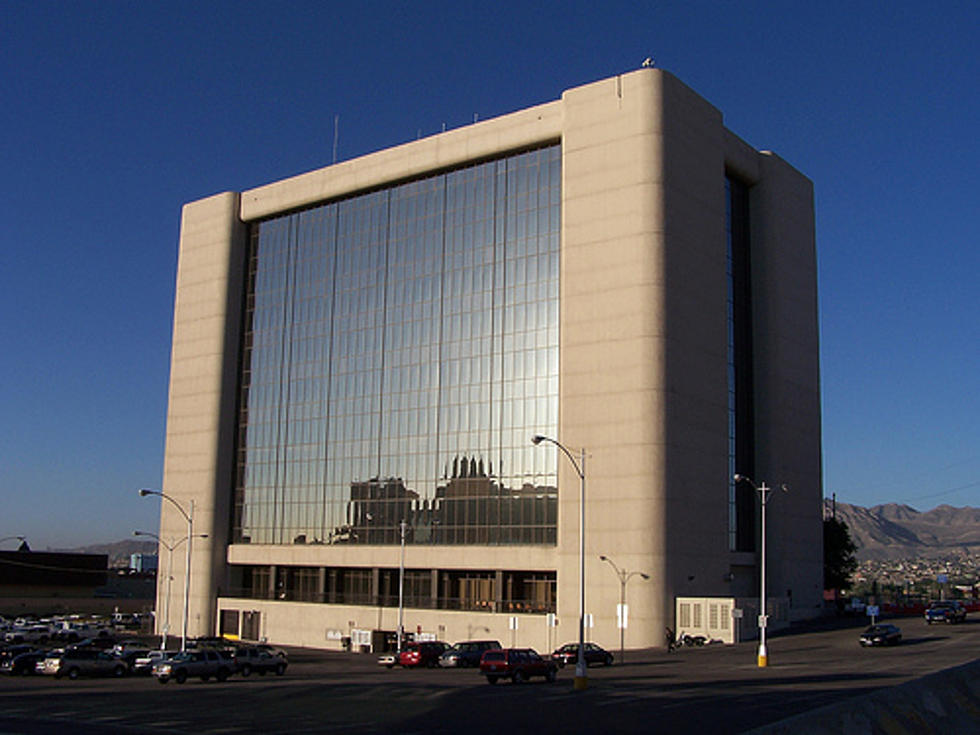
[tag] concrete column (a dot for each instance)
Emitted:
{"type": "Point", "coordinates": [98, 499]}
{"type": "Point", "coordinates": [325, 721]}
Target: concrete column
{"type": "Point", "coordinates": [199, 460]}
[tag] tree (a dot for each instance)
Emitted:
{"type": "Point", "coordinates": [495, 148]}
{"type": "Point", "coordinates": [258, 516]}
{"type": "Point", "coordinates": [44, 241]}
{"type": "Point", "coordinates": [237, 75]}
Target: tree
{"type": "Point", "coordinates": [839, 562]}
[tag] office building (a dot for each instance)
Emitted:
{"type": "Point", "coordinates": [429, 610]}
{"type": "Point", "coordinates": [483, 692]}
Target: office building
{"type": "Point", "coordinates": [362, 353]}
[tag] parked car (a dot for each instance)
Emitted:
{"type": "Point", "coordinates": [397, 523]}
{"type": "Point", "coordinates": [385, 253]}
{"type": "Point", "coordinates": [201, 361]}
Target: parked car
{"type": "Point", "coordinates": [101, 643]}
{"type": "Point", "coordinates": [945, 611]}
{"type": "Point", "coordinates": [214, 642]}
{"type": "Point", "coordinates": [389, 659]}
{"type": "Point", "coordinates": [516, 664]}
{"type": "Point", "coordinates": [29, 633]}
{"type": "Point", "coordinates": [130, 644]}
{"type": "Point", "coordinates": [274, 650]}
{"type": "Point", "coordinates": [568, 654]}
{"type": "Point", "coordinates": [424, 653]}
{"type": "Point", "coordinates": [22, 662]}
{"type": "Point", "coordinates": [72, 631]}
{"type": "Point", "coordinates": [203, 663]}
{"type": "Point", "coordinates": [143, 665]}
{"type": "Point", "coordinates": [9, 650]}
{"type": "Point", "coordinates": [249, 658]}
{"type": "Point", "coordinates": [130, 655]}
{"type": "Point", "coordinates": [76, 662]}
{"type": "Point", "coordinates": [466, 654]}
{"type": "Point", "coordinates": [882, 634]}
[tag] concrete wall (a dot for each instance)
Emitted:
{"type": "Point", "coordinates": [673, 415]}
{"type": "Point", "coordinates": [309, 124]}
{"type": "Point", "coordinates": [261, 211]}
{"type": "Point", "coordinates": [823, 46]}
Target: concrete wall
{"type": "Point", "coordinates": [321, 626]}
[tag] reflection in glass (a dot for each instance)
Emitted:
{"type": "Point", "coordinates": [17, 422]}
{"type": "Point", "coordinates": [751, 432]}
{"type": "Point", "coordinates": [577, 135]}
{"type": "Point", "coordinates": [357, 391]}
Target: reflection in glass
{"type": "Point", "coordinates": [400, 348]}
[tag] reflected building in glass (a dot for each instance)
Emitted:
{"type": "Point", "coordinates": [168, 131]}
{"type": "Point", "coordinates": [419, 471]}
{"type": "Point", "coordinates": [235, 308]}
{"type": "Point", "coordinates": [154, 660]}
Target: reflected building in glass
{"type": "Point", "coordinates": [362, 353]}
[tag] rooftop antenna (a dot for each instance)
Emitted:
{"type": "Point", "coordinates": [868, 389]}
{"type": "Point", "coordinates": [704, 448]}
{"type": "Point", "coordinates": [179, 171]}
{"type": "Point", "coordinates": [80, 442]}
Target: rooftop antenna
{"type": "Point", "coordinates": [336, 135]}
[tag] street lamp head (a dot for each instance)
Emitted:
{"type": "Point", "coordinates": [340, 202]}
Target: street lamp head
{"type": "Point", "coordinates": [537, 439]}
{"type": "Point", "coordinates": [603, 557]}
{"type": "Point", "coordinates": [144, 492]}
{"type": "Point", "coordinates": [738, 478]}
{"type": "Point", "coordinates": [645, 576]}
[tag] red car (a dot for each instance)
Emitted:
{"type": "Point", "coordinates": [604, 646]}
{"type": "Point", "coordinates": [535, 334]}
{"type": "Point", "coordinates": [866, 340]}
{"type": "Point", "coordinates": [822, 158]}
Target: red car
{"type": "Point", "coordinates": [426, 653]}
{"type": "Point", "coordinates": [516, 664]}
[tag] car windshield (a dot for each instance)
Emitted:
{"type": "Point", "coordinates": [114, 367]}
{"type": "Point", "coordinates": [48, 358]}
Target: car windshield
{"type": "Point", "coordinates": [494, 656]}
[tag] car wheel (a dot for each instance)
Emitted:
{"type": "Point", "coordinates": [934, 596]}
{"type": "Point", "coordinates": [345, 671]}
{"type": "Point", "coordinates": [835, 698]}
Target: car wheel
{"type": "Point", "coordinates": [222, 675]}
{"type": "Point", "coordinates": [550, 676]}
{"type": "Point", "coordinates": [73, 673]}
{"type": "Point", "coordinates": [491, 679]}
{"type": "Point", "coordinates": [609, 660]}
{"type": "Point", "coordinates": [261, 672]}
{"type": "Point", "coordinates": [280, 669]}
{"type": "Point", "coordinates": [390, 666]}
{"type": "Point", "coordinates": [246, 670]}
{"type": "Point", "coordinates": [163, 679]}
{"type": "Point", "coordinates": [119, 672]}
{"type": "Point", "coordinates": [180, 677]}
{"type": "Point", "coordinates": [518, 677]}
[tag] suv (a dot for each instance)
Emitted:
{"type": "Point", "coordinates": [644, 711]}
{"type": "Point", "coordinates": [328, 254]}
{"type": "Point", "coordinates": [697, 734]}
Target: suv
{"type": "Point", "coordinates": [201, 663]}
{"type": "Point", "coordinates": [466, 654]}
{"type": "Point", "coordinates": [516, 664]}
{"type": "Point", "coordinates": [946, 611]}
{"type": "Point", "coordinates": [75, 662]}
{"type": "Point", "coordinates": [426, 653]}
{"type": "Point", "coordinates": [249, 658]}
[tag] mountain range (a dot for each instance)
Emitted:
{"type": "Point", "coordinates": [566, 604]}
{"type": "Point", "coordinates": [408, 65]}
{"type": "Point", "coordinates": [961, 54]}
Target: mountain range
{"type": "Point", "coordinates": [894, 531]}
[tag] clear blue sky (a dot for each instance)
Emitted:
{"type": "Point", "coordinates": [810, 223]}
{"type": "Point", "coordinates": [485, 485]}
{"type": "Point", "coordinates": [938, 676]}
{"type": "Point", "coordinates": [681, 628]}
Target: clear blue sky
{"type": "Point", "coordinates": [113, 114]}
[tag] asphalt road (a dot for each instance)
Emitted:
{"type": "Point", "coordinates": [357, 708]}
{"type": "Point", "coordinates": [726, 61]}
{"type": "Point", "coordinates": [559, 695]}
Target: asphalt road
{"type": "Point", "coordinates": [711, 689]}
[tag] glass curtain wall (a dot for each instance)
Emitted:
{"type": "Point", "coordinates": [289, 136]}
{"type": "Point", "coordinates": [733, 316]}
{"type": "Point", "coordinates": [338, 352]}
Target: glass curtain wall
{"type": "Point", "coordinates": [741, 419]}
{"type": "Point", "coordinates": [401, 346]}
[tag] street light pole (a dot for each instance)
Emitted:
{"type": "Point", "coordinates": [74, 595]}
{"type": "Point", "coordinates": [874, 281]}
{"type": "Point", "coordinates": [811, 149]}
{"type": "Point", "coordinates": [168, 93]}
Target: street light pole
{"type": "Point", "coordinates": [187, 574]}
{"type": "Point", "coordinates": [170, 578]}
{"type": "Point", "coordinates": [624, 577]}
{"type": "Point", "coordinates": [581, 677]}
{"type": "Point", "coordinates": [401, 588]}
{"type": "Point", "coordinates": [764, 492]}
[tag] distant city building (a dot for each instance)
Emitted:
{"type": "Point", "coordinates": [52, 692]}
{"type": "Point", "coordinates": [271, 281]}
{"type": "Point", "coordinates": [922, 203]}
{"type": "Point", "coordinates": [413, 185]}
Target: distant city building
{"type": "Point", "coordinates": [32, 579]}
{"type": "Point", "coordinates": [361, 355]}
{"type": "Point", "coordinates": [143, 562]}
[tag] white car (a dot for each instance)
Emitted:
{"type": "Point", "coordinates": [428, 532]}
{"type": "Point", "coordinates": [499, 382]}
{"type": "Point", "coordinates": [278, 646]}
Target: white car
{"type": "Point", "coordinates": [143, 665]}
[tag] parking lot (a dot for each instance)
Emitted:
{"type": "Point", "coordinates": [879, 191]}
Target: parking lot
{"type": "Point", "coordinates": [715, 688]}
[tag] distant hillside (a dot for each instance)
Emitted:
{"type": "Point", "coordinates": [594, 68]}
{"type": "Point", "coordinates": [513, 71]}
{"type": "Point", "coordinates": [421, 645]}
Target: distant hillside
{"type": "Point", "coordinates": [117, 552]}
{"type": "Point", "coordinates": [894, 531]}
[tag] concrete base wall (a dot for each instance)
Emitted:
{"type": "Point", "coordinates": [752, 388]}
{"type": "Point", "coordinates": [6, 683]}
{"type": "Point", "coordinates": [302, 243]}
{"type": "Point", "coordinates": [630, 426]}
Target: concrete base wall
{"type": "Point", "coordinates": [313, 625]}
